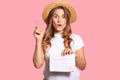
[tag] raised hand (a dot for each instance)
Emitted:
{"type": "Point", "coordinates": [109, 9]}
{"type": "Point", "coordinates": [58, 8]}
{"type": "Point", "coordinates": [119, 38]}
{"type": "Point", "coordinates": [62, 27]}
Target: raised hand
{"type": "Point", "coordinates": [38, 33]}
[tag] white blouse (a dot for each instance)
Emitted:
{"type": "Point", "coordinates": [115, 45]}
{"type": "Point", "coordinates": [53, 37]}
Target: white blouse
{"type": "Point", "coordinates": [57, 46]}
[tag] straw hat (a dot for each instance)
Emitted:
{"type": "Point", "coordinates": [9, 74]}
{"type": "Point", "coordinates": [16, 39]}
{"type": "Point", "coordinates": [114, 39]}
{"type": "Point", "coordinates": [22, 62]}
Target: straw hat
{"type": "Point", "coordinates": [54, 4]}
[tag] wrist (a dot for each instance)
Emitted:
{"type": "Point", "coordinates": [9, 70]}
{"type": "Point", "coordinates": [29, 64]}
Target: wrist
{"type": "Point", "coordinates": [38, 42]}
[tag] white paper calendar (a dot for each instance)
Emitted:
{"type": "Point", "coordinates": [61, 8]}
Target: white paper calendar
{"type": "Point", "coordinates": [60, 63]}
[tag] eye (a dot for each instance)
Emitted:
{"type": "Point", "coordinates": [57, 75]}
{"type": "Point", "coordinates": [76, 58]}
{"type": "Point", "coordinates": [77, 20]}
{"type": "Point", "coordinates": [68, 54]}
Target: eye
{"type": "Point", "coordinates": [55, 16]}
{"type": "Point", "coordinates": [63, 16]}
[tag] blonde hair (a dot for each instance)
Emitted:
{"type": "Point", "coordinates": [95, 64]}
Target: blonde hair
{"type": "Point", "coordinates": [49, 32]}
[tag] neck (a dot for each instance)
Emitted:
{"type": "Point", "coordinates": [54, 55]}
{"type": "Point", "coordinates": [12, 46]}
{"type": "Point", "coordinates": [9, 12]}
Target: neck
{"type": "Point", "coordinates": [58, 32]}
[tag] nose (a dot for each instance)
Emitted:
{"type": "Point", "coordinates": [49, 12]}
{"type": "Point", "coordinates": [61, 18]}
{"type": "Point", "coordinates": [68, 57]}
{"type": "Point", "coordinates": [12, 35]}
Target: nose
{"type": "Point", "coordinates": [59, 20]}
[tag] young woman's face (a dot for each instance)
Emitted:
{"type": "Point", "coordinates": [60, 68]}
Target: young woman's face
{"type": "Point", "coordinates": [59, 20]}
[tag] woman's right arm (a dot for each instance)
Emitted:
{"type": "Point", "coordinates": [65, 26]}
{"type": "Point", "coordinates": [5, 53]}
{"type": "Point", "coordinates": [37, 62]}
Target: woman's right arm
{"type": "Point", "coordinates": [38, 57]}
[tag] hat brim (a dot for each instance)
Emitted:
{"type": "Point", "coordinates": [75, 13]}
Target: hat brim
{"type": "Point", "coordinates": [54, 4]}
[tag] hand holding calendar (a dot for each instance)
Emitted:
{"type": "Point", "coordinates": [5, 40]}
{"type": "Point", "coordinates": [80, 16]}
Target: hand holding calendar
{"type": "Point", "coordinates": [60, 63]}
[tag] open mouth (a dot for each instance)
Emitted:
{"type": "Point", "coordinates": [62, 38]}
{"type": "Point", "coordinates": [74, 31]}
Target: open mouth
{"type": "Point", "coordinates": [59, 25]}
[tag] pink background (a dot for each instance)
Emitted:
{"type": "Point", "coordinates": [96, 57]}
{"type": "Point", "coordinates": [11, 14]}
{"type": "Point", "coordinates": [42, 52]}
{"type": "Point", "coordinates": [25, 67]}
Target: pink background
{"type": "Point", "coordinates": [98, 23]}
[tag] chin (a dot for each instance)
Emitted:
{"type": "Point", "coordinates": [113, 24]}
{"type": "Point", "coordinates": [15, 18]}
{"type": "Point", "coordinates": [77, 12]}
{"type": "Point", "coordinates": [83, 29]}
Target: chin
{"type": "Point", "coordinates": [59, 31]}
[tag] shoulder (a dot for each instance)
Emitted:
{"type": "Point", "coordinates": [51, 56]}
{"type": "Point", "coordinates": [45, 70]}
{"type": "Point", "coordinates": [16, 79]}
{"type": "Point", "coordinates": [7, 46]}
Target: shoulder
{"type": "Point", "coordinates": [75, 36]}
{"type": "Point", "coordinates": [77, 41]}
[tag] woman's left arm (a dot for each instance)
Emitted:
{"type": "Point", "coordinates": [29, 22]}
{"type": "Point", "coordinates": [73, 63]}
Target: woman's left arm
{"type": "Point", "coordinates": [80, 59]}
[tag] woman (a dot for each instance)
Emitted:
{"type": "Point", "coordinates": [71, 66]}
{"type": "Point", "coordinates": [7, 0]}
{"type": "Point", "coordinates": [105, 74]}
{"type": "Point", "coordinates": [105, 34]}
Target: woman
{"type": "Point", "coordinates": [58, 36]}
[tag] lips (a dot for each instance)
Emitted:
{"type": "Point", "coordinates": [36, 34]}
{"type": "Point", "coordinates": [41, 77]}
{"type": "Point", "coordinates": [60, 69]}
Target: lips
{"type": "Point", "coordinates": [59, 25]}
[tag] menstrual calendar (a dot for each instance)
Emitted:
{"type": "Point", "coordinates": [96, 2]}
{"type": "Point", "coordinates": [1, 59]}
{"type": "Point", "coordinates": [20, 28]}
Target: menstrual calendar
{"type": "Point", "coordinates": [60, 63]}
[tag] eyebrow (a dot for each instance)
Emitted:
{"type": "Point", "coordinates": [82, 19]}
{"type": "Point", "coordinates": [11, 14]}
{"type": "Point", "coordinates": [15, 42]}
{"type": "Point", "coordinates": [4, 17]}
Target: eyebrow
{"type": "Point", "coordinates": [57, 14]}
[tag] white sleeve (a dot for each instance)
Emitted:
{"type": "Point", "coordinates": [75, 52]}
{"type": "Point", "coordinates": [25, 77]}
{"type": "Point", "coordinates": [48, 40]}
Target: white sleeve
{"type": "Point", "coordinates": [78, 42]}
